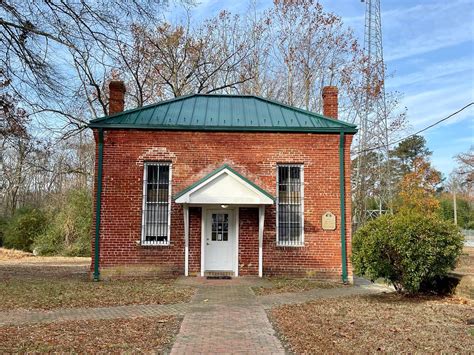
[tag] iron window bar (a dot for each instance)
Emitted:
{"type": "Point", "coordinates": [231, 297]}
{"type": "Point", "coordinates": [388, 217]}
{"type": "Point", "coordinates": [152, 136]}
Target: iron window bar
{"type": "Point", "coordinates": [156, 208]}
{"type": "Point", "coordinates": [290, 205]}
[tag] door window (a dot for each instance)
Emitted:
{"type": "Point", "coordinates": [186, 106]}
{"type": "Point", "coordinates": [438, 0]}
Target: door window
{"type": "Point", "coordinates": [220, 227]}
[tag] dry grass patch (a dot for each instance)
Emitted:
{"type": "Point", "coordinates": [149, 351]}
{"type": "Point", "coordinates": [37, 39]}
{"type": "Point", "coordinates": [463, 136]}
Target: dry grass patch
{"type": "Point", "coordinates": [12, 254]}
{"type": "Point", "coordinates": [138, 335]}
{"type": "Point", "coordinates": [285, 285]}
{"type": "Point", "coordinates": [66, 284]}
{"type": "Point", "coordinates": [48, 294]}
{"type": "Point", "coordinates": [366, 324]}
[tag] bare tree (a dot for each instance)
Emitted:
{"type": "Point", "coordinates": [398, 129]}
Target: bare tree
{"type": "Point", "coordinates": [465, 170]}
{"type": "Point", "coordinates": [44, 43]}
{"type": "Point", "coordinates": [179, 59]}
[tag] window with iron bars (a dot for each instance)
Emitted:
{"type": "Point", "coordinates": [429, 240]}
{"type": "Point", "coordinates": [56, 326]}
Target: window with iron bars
{"type": "Point", "coordinates": [156, 212]}
{"type": "Point", "coordinates": [290, 205]}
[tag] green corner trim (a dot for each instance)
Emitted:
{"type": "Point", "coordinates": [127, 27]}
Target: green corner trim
{"type": "Point", "coordinates": [98, 204]}
{"type": "Point", "coordinates": [342, 192]}
{"type": "Point", "coordinates": [214, 172]}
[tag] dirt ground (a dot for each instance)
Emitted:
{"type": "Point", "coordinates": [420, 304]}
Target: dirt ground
{"type": "Point", "coordinates": [387, 323]}
{"type": "Point", "coordinates": [138, 335]}
{"type": "Point", "coordinates": [12, 256]}
{"type": "Point", "coordinates": [29, 282]}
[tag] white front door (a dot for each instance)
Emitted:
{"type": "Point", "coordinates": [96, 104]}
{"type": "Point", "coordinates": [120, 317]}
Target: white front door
{"type": "Point", "coordinates": [219, 239]}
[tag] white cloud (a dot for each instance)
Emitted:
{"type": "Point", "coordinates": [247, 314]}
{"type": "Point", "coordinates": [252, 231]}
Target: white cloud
{"type": "Point", "coordinates": [429, 106]}
{"type": "Point", "coordinates": [425, 43]}
{"type": "Point", "coordinates": [426, 27]}
{"type": "Point", "coordinates": [437, 73]}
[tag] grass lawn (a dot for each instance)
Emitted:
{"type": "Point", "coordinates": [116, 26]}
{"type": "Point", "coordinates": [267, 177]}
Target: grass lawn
{"type": "Point", "coordinates": [366, 324]}
{"type": "Point", "coordinates": [28, 282]}
{"type": "Point", "coordinates": [284, 285]}
{"type": "Point", "coordinates": [50, 294]}
{"type": "Point", "coordinates": [138, 335]}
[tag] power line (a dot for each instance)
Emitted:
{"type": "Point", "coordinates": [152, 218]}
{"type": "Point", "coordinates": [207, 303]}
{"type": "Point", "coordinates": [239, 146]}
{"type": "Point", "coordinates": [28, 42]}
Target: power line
{"type": "Point", "coordinates": [418, 132]}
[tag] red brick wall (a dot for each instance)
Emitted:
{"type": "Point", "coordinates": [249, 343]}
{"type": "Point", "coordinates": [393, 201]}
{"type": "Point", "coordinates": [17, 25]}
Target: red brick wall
{"type": "Point", "coordinates": [194, 240]}
{"type": "Point", "coordinates": [195, 154]}
{"type": "Point", "coordinates": [248, 241]}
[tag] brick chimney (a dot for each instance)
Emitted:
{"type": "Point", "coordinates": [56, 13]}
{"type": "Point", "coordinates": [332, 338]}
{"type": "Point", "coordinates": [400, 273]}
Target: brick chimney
{"type": "Point", "coordinates": [330, 105]}
{"type": "Point", "coordinates": [116, 96]}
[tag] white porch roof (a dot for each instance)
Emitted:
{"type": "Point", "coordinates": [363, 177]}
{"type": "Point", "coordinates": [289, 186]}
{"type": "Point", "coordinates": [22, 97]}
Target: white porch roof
{"type": "Point", "coordinates": [227, 187]}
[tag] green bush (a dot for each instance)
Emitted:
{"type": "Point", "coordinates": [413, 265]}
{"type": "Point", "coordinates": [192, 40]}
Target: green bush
{"type": "Point", "coordinates": [70, 227]}
{"type": "Point", "coordinates": [3, 227]}
{"type": "Point", "coordinates": [22, 229]}
{"type": "Point", "coordinates": [410, 251]}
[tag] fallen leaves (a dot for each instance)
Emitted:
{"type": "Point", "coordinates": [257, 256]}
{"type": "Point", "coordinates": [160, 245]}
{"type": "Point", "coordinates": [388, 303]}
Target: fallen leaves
{"type": "Point", "coordinates": [50, 294]}
{"type": "Point", "coordinates": [388, 323]}
{"type": "Point", "coordinates": [92, 336]}
{"type": "Point", "coordinates": [45, 286]}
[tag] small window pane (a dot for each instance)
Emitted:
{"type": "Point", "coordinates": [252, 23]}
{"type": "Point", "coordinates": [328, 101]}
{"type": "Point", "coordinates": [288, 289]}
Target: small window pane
{"type": "Point", "coordinates": [283, 175]}
{"type": "Point", "coordinates": [295, 173]}
{"type": "Point", "coordinates": [164, 174]}
{"type": "Point", "coordinates": [220, 227]}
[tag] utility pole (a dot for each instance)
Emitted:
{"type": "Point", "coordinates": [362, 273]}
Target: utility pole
{"type": "Point", "coordinates": [373, 125]}
{"type": "Point", "coordinates": [455, 206]}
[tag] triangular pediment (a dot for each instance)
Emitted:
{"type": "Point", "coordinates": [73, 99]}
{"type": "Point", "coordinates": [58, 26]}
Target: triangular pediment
{"type": "Point", "coordinates": [225, 186]}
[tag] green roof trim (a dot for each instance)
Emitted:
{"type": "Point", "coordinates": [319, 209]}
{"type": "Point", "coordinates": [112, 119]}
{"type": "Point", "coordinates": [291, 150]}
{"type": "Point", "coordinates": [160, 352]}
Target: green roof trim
{"type": "Point", "coordinates": [218, 170]}
{"type": "Point", "coordinates": [241, 113]}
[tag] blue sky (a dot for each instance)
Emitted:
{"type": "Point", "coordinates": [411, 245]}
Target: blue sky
{"type": "Point", "coordinates": [429, 48]}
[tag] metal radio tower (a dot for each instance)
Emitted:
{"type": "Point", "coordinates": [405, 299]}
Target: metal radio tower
{"type": "Point", "coordinates": [373, 195]}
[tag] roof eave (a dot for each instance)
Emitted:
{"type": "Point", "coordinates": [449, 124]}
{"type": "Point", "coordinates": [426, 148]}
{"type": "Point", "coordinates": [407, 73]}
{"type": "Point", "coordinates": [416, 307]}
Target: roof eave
{"type": "Point", "coordinates": [348, 130]}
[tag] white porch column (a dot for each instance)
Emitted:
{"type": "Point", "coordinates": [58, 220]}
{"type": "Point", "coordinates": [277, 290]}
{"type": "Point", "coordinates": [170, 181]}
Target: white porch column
{"type": "Point", "coordinates": [261, 222]}
{"type": "Point", "coordinates": [186, 238]}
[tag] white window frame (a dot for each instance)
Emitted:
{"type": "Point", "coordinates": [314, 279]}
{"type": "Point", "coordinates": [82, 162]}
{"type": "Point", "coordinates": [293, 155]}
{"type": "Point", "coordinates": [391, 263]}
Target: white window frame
{"type": "Point", "coordinates": [300, 243]}
{"type": "Point", "coordinates": [143, 242]}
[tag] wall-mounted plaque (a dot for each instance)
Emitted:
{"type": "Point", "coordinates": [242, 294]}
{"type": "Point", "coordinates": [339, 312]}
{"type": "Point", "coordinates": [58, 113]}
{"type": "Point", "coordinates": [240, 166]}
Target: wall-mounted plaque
{"type": "Point", "coordinates": [329, 221]}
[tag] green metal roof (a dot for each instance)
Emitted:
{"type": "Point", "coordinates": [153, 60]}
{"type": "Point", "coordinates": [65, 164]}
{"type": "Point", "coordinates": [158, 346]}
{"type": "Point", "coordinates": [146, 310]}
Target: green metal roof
{"type": "Point", "coordinates": [222, 113]}
{"type": "Point", "coordinates": [216, 171]}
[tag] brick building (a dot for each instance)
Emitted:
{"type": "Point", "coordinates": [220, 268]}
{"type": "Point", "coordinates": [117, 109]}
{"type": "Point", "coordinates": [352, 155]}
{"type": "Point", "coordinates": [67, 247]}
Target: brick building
{"type": "Point", "coordinates": [230, 184]}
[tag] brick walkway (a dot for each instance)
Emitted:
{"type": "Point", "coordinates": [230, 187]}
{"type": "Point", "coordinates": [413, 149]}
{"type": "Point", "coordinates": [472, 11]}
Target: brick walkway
{"type": "Point", "coordinates": [223, 317]}
{"type": "Point", "coordinates": [72, 314]}
{"type": "Point", "coordinates": [232, 321]}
